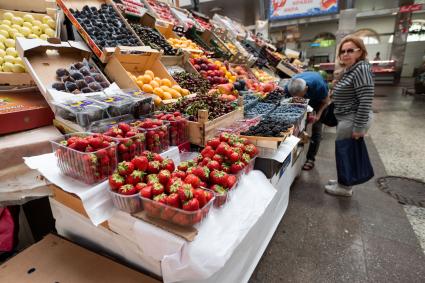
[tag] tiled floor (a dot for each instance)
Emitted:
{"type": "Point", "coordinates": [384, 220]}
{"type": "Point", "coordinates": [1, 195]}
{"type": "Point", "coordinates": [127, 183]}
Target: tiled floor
{"type": "Point", "coordinates": [367, 238]}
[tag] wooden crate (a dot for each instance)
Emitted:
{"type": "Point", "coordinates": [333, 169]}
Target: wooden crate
{"type": "Point", "coordinates": [203, 130]}
{"type": "Point", "coordinates": [270, 142]}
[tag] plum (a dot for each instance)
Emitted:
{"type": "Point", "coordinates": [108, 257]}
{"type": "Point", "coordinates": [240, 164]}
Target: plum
{"type": "Point", "coordinates": [77, 75]}
{"type": "Point", "coordinates": [81, 84]}
{"type": "Point", "coordinates": [70, 86]}
{"type": "Point", "coordinates": [62, 72]}
{"type": "Point", "coordinates": [59, 86]}
{"type": "Point", "coordinates": [89, 79]}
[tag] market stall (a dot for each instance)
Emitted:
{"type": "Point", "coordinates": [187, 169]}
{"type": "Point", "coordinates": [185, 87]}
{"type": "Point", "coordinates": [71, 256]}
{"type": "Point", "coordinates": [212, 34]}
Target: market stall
{"type": "Point", "coordinates": [170, 158]}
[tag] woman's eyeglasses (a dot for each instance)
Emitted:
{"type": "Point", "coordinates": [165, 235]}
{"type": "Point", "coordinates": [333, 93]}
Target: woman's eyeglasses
{"type": "Point", "coordinates": [348, 51]}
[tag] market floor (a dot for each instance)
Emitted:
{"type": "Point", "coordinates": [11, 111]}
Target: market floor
{"type": "Point", "coordinates": [369, 237]}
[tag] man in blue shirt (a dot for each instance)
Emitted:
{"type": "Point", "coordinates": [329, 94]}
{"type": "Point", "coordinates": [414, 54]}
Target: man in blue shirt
{"type": "Point", "coordinates": [312, 86]}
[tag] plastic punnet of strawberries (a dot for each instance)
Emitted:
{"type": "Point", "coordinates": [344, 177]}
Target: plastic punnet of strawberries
{"type": "Point", "coordinates": [165, 193]}
{"type": "Point", "coordinates": [178, 126]}
{"type": "Point", "coordinates": [157, 134]}
{"type": "Point", "coordinates": [130, 140]}
{"type": "Point", "coordinates": [90, 158]}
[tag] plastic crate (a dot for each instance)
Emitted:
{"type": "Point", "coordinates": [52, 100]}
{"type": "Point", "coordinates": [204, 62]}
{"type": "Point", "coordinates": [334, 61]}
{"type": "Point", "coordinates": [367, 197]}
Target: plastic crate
{"type": "Point", "coordinates": [157, 138]}
{"type": "Point", "coordinates": [127, 203]}
{"type": "Point", "coordinates": [88, 167]}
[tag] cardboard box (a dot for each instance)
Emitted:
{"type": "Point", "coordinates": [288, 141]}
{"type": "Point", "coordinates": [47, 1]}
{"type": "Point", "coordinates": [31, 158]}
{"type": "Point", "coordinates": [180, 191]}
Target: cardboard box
{"type": "Point", "coordinates": [20, 79]}
{"type": "Point", "coordinates": [23, 111]}
{"type": "Point", "coordinates": [181, 61]}
{"type": "Point", "coordinates": [122, 62]}
{"type": "Point", "coordinates": [43, 58]}
{"type": "Point", "coordinates": [39, 6]}
{"type": "Point", "coordinates": [55, 259]}
{"type": "Point", "coordinates": [65, 5]}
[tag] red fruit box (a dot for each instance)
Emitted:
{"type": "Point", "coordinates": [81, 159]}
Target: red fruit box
{"type": "Point", "coordinates": [175, 215]}
{"type": "Point", "coordinates": [157, 138]}
{"type": "Point", "coordinates": [88, 167]}
{"type": "Point", "coordinates": [179, 129]}
{"type": "Point", "coordinates": [221, 199]}
{"type": "Point", "coordinates": [130, 203]}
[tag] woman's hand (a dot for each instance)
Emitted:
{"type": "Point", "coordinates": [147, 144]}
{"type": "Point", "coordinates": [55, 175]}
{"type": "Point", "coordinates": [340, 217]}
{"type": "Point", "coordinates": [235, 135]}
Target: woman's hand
{"type": "Point", "coordinates": [356, 136]}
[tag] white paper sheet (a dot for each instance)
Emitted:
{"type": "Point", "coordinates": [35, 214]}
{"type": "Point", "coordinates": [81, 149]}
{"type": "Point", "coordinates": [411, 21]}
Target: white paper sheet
{"type": "Point", "coordinates": [95, 199]}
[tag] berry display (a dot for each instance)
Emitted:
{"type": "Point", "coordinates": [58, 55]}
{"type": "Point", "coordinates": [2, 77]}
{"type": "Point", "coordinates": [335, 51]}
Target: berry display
{"type": "Point", "coordinates": [153, 38]}
{"type": "Point", "coordinates": [105, 26]}
{"type": "Point", "coordinates": [288, 113]}
{"type": "Point", "coordinates": [275, 96]}
{"type": "Point", "coordinates": [195, 83]}
{"type": "Point", "coordinates": [259, 108]}
{"type": "Point", "coordinates": [157, 134]}
{"type": "Point", "coordinates": [81, 77]}
{"type": "Point", "coordinates": [267, 128]}
{"type": "Point", "coordinates": [178, 126]}
{"type": "Point", "coordinates": [90, 158]}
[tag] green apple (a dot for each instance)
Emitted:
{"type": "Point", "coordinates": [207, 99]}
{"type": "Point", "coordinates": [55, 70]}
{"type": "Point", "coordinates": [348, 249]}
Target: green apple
{"type": "Point", "coordinates": [6, 22]}
{"type": "Point", "coordinates": [31, 35]}
{"type": "Point", "coordinates": [27, 24]}
{"type": "Point", "coordinates": [9, 58]}
{"type": "Point", "coordinates": [2, 46]}
{"type": "Point", "coordinates": [28, 18]}
{"type": "Point", "coordinates": [4, 33]}
{"type": "Point", "coordinates": [44, 36]}
{"type": "Point", "coordinates": [51, 23]}
{"type": "Point", "coordinates": [9, 42]}
{"type": "Point", "coordinates": [11, 51]}
{"type": "Point", "coordinates": [37, 23]}
{"type": "Point", "coordinates": [50, 32]}
{"type": "Point", "coordinates": [8, 16]}
{"type": "Point", "coordinates": [25, 31]}
{"type": "Point", "coordinates": [7, 67]}
{"type": "Point", "coordinates": [2, 53]}
{"type": "Point", "coordinates": [36, 30]}
{"type": "Point", "coordinates": [17, 20]}
{"type": "Point", "coordinates": [16, 68]}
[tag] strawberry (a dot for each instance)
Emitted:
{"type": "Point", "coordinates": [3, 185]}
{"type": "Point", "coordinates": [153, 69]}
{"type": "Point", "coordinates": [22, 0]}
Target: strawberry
{"type": "Point", "coordinates": [222, 149]}
{"type": "Point", "coordinates": [124, 127]}
{"type": "Point", "coordinates": [168, 212]}
{"type": "Point", "coordinates": [219, 190]}
{"type": "Point", "coordinates": [146, 192]}
{"type": "Point", "coordinates": [236, 167]}
{"type": "Point", "coordinates": [246, 158]}
{"type": "Point", "coordinates": [168, 164]}
{"type": "Point", "coordinates": [179, 174]}
{"type": "Point", "coordinates": [213, 143]}
{"type": "Point", "coordinates": [135, 177]}
{"type": "Point", "coordinates": [219, 178]}
{"type": "Point", "coordinates": [214, 165]}
{"type": "Point", "coordinates": [164, 176]}
{"type": "Point", "coordinates": [157, 189]}
{"type": "Point", "coordinates": [81, 144]}
{"type": "Point", "coordinates": [127, 190]}
{"type": "Point", "coordinates": [182, 166]}
{"type": "Point", "coordinates": [95, 142]}
{"type": "Point", "coordinates": [207, 152]}
{"type": "Point", "coordinates": [140, 163]}
{"type": "Point", "coordinates": [181, 219]}
{"type": "Point", "coordinates": [122, 148]}
{"type": "Point", "coordinates": [224, 137]}
{"type": "Point", "coordinates": [218, 157]}
{"type": "Point", "coordinates": [193, 180]}
{"type": "Point", "coordinates": [152, 179]}
{"type": "Point", "coordinates": [235, 149]}
{"type": "Point", "coordinates": [157, 157]}
{"type": "Point", "coordinates": [244, 141]}
{"type": "Point", "coordinates": [200, 196]}
{"type": "Point", "coordinates": [205, 161]}
{"type": "Point", "coordinates": [191, 205]}
{"type": "Point", "coordinates": [154, 167]}
{"type": "Point", "coordinates": [251, 150]}
{"type": "Point", "coordinates": [125, 168]}
{"type": "Point", "coordinates": [162, 198]}
{"type": "Point", "coordinates": [116, 181]}
{"type": "Point", "coordinates": [234, 156]}
{"type": "Point", "coordinates": [225, 167]}
{"type": "Point", "coordinates": [202, 172]}
{"type": "Point", "coordinates": [208, 195]}
{"type": "Point", "coordinates": [173, 185]}
{"type": "Point", "coordinates": [231, 181]}
{"type": "Point", "coordinates": [140, 186]}
{"type": "Point", "coordinates": [185, 192]}
{"type": "Point", "coordinates": [148, 155]}
{"type": "Point", "coordinates": [173, 200]}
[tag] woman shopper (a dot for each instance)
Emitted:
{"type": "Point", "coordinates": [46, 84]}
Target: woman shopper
{"type": "Point", "coordinates": [352, 97]}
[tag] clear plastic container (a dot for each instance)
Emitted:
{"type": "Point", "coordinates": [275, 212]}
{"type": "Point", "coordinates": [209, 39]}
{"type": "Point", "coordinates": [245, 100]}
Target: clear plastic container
{"type": "Point", "coordinates": [130, 203]}
{"type": "Point", "coordinates": [220, 200]}
{"type": "Point", "coordinates": [179, 128]}
{"type": "Point", "coordinates": [250, 166]}
{"type": "Point", "coordinates": [175, 215]}
{"type": "Point", "coordinates": [88, 167]}
{"type": "Point", "coordinates": [157, 137]}
{"type": "Point", "coordinates": [118, 104]}
{"type": "Point", "coordinates": [133, 146]}
{"type": "Point", "coordinates": [143, 102]}
{"type": "Point", "coordinates": [81, 111]}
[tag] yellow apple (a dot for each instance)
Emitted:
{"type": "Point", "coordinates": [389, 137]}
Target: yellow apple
{"type": "Point", "coordinates": [36, 30]}
{"type": "Point", "coordinates": [8, 58]}
{"type": "Point", "coordinates": [4, 33]}
{"type": "Point", "coordinates": [46, 19]}
{"type": "Point", "coordinates": [18, 34]}
{"type": "Point", "coordinates": [17, 20]}
{"type": "Point", "coordinates": [2, 38]}
{"type": "Point", "coordinates": [28, 18]}
{"type": "Point", "coordinates": [27, 24]}
{"type": "Point", "coordinates": [19, 61]}
{"type": "Point", "coordinates": [11, 51]}
{"type": "Point", "coordinates": [25, 31]}
{"type": "Point", "coordinates": [6, 22]}
{"type": "Point", "coordinates": [14, 26]}
{"type": "Point", "coordinates": [44, 26]}
{"type": "Point", "coordinates": [2, 53]}
{"type": "Point", "coordinates": [8, 16]}
{"type": "Point", "coordinates": [31, 35]}
{"type": "Point", "coordinates": [37, 23]}
{"type": "Point", "coordinates": [7, 67]}
{"type": "Point", "coordinates": [44, 36]}
{"type": "Point", "coordinates": [2, 46]}
{"type": "Point", "coordinates": [4, 27]}
{"type": "Point", "coordinates": [9, 42]}
{"type": "Point", "coordinates": [51, 23]}
{"type": "Point", "coordinates": [50, 32]}
{"type": "Point", "coordinates": [16, 68]}
{"type": "Point", "coordinates": [1, 61]}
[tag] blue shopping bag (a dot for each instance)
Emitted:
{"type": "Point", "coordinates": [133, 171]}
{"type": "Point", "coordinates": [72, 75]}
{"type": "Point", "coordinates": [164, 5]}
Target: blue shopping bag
{"type": "Point", "coordinates": [352, 162]}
